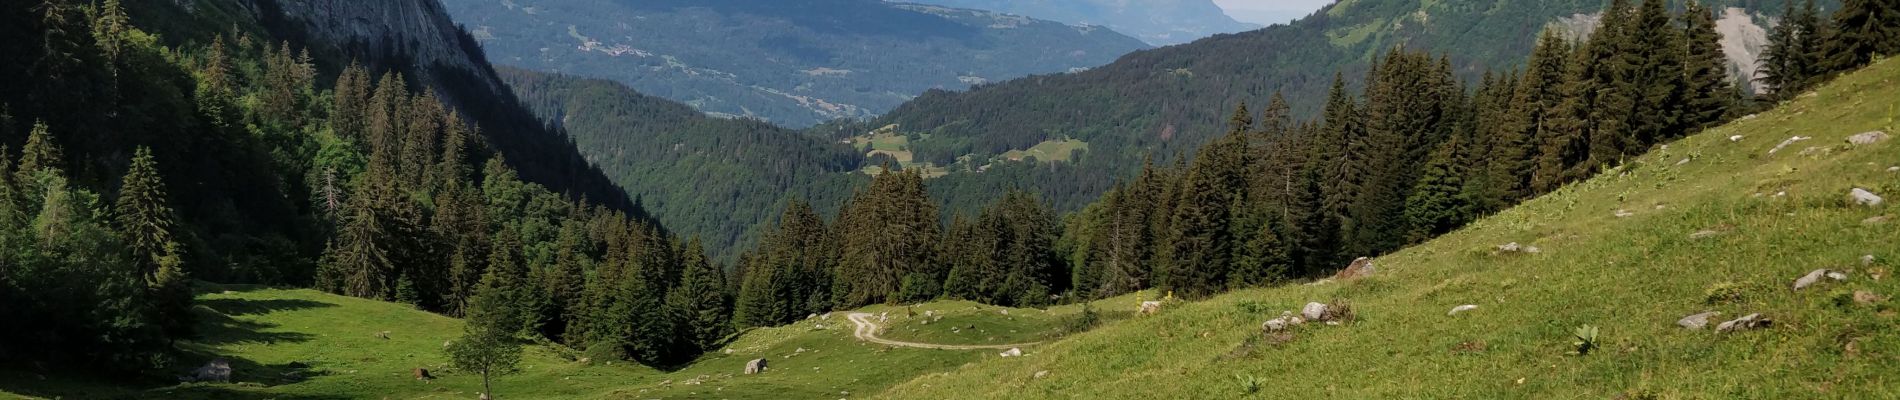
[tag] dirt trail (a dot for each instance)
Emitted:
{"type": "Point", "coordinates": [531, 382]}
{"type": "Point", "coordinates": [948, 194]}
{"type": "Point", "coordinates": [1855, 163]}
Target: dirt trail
{"type": "Point", "coordinates": [867, 331]}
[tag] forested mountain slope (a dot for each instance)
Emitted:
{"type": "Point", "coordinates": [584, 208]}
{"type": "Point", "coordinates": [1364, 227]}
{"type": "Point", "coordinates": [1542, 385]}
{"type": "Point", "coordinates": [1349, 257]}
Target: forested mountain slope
{"type": "Point", "coordinates": [792, 63]}
{"type": "Point", "coordinates": [1169, 101]}
{"type": "Point", "coordinates": [1160, 23]}
{"type": "Point", "coordinates": [417, 38]}
{"type": "Point", "coordinates": [1577, 294]}
{"type": "Point", "coordinates": [718, 179]}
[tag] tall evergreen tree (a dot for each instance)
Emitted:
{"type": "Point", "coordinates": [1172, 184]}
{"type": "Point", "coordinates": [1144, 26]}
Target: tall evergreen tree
{"type": "Point", "coordinates": [1708, 94]}
{"type": "Point", "coordinates": [700, 305]}
{"type": "Point", "coordinates": [1862, 29]}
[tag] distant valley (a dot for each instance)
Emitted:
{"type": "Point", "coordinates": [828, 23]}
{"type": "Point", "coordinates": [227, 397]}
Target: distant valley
{"type": "Point", "coordinates": [794, 64]}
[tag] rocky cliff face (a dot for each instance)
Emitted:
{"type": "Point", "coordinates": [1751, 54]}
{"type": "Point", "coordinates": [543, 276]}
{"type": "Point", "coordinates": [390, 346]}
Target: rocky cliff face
{"type": "Point", "coordinates": [417, 33]}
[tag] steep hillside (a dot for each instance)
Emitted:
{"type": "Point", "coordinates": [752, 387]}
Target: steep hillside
{"type": "Point", "coordinates": [1159, 23]}
{"type": "Point", "coordinates": [1169, 101]}
{"type": "Point", "coordinates": [1723, 221]}
{"type": "Point", "coordinates": [714, 178]}
{"type": "Point", "coordinates": [792, 63]}
{"type": "Point", "coordinates": [417, 38]}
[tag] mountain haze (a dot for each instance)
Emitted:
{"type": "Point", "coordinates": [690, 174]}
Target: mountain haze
{"type": "Point", "coordinates": [1158, 22]}
{"type": "Point", "coordinates": [791, 63]}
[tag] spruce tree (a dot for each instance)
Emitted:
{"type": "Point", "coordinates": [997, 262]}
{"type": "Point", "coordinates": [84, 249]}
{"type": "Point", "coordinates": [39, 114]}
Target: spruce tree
{"type": "Point", "coordinates": [1438, 205]}
{"type": "Point", "coordinates": [1707, 96]}
{"type": "Point", "coordinates": [144, 215]}
{"type": "Point", "coordinates": [1862, 29]}
{"type": "Point", "coordinates": [700, 305]}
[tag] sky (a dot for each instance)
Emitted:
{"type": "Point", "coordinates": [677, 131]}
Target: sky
{"type": "Point", "coordinates": [1268, 12]}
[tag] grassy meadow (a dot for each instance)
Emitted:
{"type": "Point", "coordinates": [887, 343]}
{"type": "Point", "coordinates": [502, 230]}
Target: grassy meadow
{"type": "Point", "coordinates": [1712, 222]}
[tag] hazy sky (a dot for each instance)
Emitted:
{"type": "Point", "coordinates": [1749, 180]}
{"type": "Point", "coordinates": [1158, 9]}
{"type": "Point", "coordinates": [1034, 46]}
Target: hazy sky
{"type": "Point", "coordinates": [1266, 12]}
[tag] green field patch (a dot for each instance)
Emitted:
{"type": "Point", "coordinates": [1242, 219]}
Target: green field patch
{"type": "Point", "coordinates": [1049, 151]}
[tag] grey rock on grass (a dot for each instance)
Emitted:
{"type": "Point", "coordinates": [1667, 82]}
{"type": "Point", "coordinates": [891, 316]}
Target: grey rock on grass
{"type": "Point", "coordinates": [1697, 321]}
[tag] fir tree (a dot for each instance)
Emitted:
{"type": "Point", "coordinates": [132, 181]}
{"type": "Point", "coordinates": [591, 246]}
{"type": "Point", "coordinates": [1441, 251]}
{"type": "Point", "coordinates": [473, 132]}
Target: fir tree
{"type": "Point", "coordinates": [700, 305]}
{"type": "Point", "coordinates": [1708, 95]}
{"type": "Point", "coordinates": [1862, 29]}
{"type": "Point", "coordinates": [144, 215]}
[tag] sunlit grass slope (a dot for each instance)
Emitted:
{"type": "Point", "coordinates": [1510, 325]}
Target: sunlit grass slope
{"type": "Point", "coordinates": [1769, 220]}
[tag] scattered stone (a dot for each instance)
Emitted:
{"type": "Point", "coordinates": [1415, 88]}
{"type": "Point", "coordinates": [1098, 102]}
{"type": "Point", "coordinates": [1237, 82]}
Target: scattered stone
{"type": "Point", "coordinates": [446, 343]}
{"type": "Point", "coordinates": [811, 316]}
{"type": "Point", "coordinates": [930, 313]}
{"type": "Point", "coordinates": [826, 317]}
{"type": "Point", "coordinates": [1042, 374]}
{"type": "Point", "coordinates": [218, 370]}
{"type": "Point", "coordinates": [1697, 321]}
{"type": "Point", "coordinates": [1314, 311]}
{"type": "Point", "coordinates": [1624, 214]}
{"type": "Point", "coordinates": [1750, 117]}
{"type": "Point", "coordinates": [1736, 138]}
{"type": "Point", "coordinates": [755, 366]}
{"type": "Point", "coordinates": [422, 374]}
{"type": "Point", "coordinates": [1003, 311]}
{"type": "Point", "coordinates": [1319, 282]}
{"type": "Point", "coordinates": [1012, 352]}
{"type": "Point", "coordinates": [384, 335]}
{"type": "Point", "coordinates": [1509, 247]}
{"type": "Point", "coordinates": [1815, 277]}
{"type": "Point", "coordinates": [1785, 143]}
{"type": "Point", "coordinates": [1865, 198]}
{"type": "Point", "coordinates": [818, 327]}
{"type": "Point", "coordinates": [1149, 308]}
{"type": "Point", "coordinates": [1893, 169]}
{"type": "Point", "coordinates": [1359, 267]}
{"type": "Point", "coordinates": [1685, 160]}
{"type": "Point", "coordinates": [1867, 138]}
{"type": "Point", "coordinates": [1286, 320]}
{"type": "Point", "coordinates": [1460, 309]}
{"type": "Point", "coordinates": [1867, 260]}
{"type": "Point", "coordinates": [1811, 150]}
{"type": "Point", "coordinates": [1746, 322]}
{"type": "Point", "coordinates": [1867, 298]}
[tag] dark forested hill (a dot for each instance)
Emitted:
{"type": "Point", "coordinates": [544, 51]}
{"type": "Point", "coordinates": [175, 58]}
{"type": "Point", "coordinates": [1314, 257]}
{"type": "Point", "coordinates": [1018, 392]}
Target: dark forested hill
{"type": "Point", "coordinates": [719, 179]}
{"type": "Point", "coordinates": [791, 63]}
{"type": "Point", "coordinates": [1158, 22]}
{"type": "Point", "coordinates": [1168, 101]}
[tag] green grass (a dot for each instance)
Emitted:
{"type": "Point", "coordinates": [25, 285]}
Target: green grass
{"type": "Point", "coordinates": [1049, 151]}
{"type": "Point", "coordinates": [1632, 277]}
{"type": "Point", "coordinates": [304, 344]}
{"type": "Point", "coordinates": [964, 322]}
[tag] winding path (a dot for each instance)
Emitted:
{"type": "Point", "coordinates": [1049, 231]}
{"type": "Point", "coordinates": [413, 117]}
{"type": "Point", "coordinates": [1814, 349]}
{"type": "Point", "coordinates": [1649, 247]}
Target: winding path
{"type": "Point", "coordinates": [867, 331]}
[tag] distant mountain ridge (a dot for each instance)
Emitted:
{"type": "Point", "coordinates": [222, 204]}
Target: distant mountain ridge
{"type": "Point", "coordinates": [1158, 22]}
{"type": "Point", "coordinates": [792, 63]}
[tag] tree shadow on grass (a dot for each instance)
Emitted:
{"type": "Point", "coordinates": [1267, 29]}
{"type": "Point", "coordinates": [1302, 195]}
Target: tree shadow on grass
{"type": "Point", "coordinates": [238, 307]}
{"type": "Point", "coordinates": [74, 383]}
{"type": "Point", "coordinates": [217, 329]}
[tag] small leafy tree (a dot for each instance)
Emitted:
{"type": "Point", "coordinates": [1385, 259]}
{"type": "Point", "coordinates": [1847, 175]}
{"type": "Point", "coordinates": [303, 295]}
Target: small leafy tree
{"type": "Point", "coordinates": [488, 345]}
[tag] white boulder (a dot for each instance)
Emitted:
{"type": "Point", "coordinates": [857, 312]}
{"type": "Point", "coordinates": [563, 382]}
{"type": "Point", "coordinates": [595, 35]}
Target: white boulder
{"type": "Point", "coordinates": [1784, 144]}
{"type": "Point", "coordinates": [1463, 308]}
{"type": "Point", "coordinates": [1867, 138]}
{"type": "Point", "coordinates": [1314, 311]}
{"type": "Point", "coordinates": [1865, 198]}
